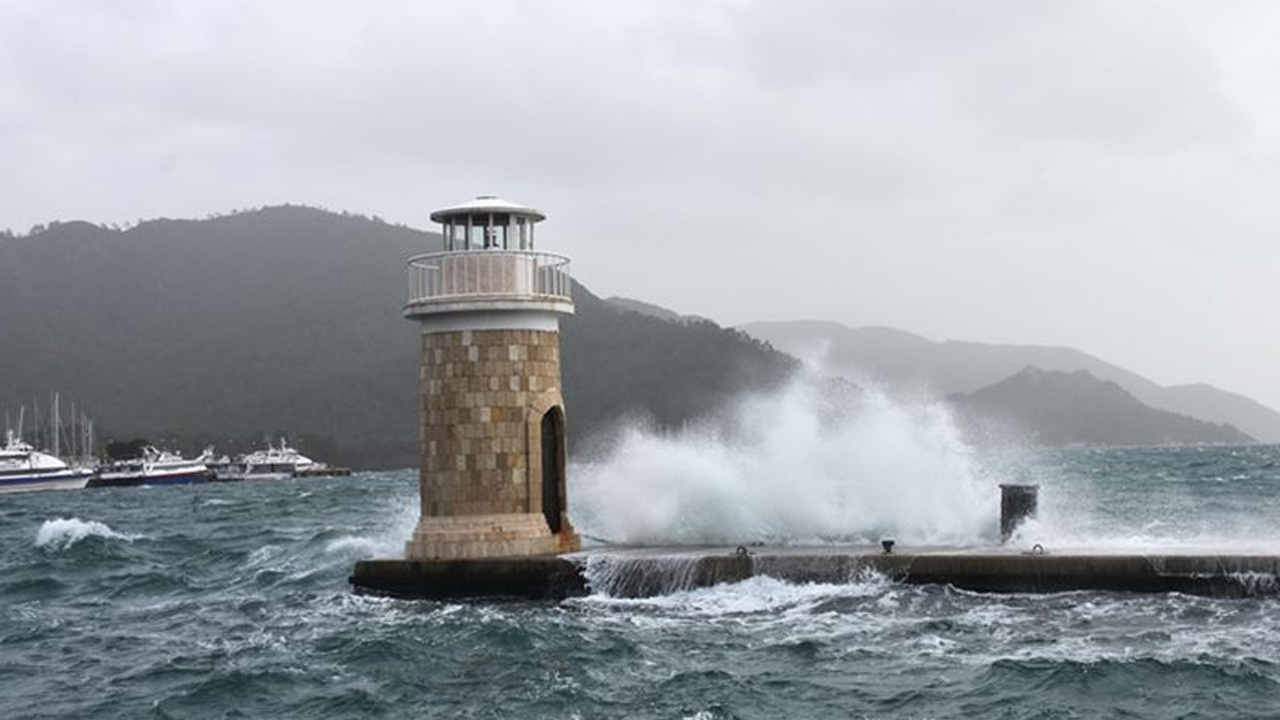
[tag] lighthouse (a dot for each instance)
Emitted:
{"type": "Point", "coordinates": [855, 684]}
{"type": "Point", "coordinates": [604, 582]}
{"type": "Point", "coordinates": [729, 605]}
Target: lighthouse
{"type": "Point", "coordinates": [492, 429]}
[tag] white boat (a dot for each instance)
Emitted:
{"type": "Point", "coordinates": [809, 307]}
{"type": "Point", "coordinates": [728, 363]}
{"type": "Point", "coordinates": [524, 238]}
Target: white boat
{"type": "Point", "coordinates": [273, 463]}
{"type": "Point", "coordinates": [155, 467]}
{"type": "Point", "coordinates": [223, 466]}
{"type": "Point", "coordinates": [23, 468]}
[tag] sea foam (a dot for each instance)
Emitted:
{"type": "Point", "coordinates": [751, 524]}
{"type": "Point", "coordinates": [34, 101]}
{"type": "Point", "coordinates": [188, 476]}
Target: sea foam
{"type": "Point", "coordinates": [62, 533]}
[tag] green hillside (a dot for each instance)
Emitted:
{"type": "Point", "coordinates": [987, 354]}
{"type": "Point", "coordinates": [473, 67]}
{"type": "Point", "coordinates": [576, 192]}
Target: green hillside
{"type": "Point", "coordinates": [286, 320]}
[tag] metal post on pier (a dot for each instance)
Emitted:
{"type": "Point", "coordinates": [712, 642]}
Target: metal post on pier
{"type": "Point", "coordinates": [1017, 503]}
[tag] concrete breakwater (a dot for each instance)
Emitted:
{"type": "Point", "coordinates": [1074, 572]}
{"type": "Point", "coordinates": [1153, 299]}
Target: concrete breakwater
{"type": "Point", "coordinates": [642, 572]}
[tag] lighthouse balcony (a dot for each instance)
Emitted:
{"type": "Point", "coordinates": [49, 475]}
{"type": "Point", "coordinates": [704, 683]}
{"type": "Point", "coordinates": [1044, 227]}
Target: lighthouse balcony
{"type": "Point", "coordinates": [464, 280]}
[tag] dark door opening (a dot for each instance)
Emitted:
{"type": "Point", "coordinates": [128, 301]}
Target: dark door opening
{"type": "Point", "coordinates": [553, 467]}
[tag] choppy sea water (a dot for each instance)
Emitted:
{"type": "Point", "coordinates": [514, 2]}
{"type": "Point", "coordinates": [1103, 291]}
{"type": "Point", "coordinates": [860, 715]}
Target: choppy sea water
{"type": "Point", "coordinates": [230, 601]}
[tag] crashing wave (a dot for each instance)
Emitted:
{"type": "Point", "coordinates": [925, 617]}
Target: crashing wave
{"type": "Point", "coordinates": [362, 546]}
{"type": "Point", "coordinates": [62, 533]}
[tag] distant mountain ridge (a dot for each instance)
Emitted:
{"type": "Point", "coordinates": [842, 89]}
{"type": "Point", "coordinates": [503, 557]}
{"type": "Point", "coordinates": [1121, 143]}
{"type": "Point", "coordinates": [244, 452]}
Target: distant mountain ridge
{"type": "Point", "coordinates": [903, 361]}
{"type": "Point", "coordinates": [1062, 408]}
{"type": "Point", "coordinates": [652, 310]}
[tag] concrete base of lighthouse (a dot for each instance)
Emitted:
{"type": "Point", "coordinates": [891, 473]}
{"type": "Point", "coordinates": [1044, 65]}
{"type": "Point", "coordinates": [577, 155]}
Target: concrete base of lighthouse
{"type": "Point", "coordinates": [546, 577]}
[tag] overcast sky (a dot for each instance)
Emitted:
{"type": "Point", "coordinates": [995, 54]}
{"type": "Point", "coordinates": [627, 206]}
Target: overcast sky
{"type": "Point", "coordinates": [1104, 175]}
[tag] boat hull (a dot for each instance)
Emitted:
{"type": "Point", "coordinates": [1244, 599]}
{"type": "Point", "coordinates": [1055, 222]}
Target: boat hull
{"type": "Point", "coordinates": [185, 477]}
{"type": "Point", "coordinates": [267, 475]}
{"type": "Point", "coordinates": [70, 480]}
{"type": "Point", "coordinates": [241, 475]}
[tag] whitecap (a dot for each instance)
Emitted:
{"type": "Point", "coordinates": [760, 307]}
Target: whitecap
{"type": "Point", "coordinates": [386, 544]}
{"type": "Point", "coordinates": [362, 546]}
{"type": "Point", "coordinates": [62, 533]}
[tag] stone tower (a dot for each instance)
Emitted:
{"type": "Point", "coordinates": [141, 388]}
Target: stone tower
{"type": "Point", "coordinates": [493, 425]}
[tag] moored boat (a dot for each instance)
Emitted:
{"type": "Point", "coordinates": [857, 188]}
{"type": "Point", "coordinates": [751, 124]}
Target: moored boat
{"type": "Point", "coordinates": [23, 468]}
{"type": "Point", "coordinates": [223, 467]}
{"type": "Point", "coordinates": [155, 467]}
{"type": "Point", "coordinates": [276, 462]}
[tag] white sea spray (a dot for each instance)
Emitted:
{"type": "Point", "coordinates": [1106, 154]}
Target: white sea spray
{"type": "Point", "coordinates": [785, 467]}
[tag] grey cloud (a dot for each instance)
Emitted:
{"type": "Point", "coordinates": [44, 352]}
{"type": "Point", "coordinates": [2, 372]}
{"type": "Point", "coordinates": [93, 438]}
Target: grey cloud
{"type": "Point", "coordinates": [1100, 174]}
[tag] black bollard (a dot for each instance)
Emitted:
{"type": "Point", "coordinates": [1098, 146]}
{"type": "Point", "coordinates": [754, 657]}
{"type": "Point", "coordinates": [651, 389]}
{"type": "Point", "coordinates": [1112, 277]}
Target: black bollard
{"type": "Point", "coordinates": [1017, 503]}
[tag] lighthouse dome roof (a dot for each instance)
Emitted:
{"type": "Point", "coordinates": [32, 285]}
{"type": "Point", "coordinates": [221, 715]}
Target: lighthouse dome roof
{"type": "Point", "coordinates": [487, 204]}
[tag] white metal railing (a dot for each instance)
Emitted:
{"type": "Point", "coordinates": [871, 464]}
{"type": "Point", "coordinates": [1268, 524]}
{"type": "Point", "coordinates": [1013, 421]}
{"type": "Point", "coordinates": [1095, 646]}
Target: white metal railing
{"type": "Point", "coordinates": [520, 274]}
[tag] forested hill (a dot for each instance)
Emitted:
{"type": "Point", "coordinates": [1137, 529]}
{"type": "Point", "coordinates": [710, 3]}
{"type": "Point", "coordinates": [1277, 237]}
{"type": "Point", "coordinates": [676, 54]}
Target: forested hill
{"type": "Point", "coordinates": [286, 320]}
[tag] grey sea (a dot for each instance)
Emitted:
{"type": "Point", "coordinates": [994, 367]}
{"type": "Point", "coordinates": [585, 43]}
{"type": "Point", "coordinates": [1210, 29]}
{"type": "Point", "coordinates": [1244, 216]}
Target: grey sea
{"type": "Point", "coordinates": [231, 601]}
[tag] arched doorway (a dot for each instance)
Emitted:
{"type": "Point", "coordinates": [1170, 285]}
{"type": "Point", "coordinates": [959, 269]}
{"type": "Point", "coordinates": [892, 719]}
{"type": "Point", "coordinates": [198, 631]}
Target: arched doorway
{"type": "Point", "coordinates": [553, 467]}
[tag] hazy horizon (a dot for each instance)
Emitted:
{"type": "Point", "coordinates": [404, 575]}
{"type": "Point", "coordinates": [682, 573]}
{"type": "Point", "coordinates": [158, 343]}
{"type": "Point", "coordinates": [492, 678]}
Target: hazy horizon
{"type": "Point", "coordinates": [1099, 175]}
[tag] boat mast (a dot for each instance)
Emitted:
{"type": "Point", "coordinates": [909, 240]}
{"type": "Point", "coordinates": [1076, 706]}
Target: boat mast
{"type": "Point", "coordinates": [56, 426]}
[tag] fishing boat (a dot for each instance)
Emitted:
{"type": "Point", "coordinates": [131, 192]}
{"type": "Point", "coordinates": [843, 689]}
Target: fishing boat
{"type": "Point", "coordinates": [155, 467]}
{"type": "Point", "coordinates": [24, 468]}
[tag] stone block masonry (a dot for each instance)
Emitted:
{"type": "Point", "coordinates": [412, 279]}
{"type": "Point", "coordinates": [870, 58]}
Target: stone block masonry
{"type": "Point", "coordinates": [484, 396]}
